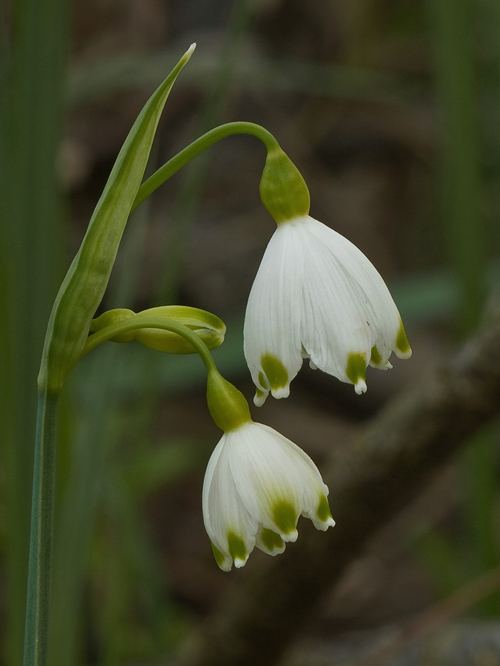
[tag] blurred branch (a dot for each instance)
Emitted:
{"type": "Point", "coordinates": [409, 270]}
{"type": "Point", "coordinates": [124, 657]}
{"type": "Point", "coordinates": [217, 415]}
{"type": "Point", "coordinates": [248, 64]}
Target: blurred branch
{"type": "Point", "coordinates": [435, 617]}
{"type": "Point", "coordinates": [385, 467]}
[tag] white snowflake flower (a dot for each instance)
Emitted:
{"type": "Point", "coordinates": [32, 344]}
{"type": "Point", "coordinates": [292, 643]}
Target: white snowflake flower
{"type": "Point", "coordinates": [256, 485]}
{"type": "Point", "coordinates": [317, 296]}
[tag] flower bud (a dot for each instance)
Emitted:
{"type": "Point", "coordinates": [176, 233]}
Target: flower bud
{"type": "Point", "coordinates": [114, 317]}
{"type": "Point", "coordinates": [207, 326]}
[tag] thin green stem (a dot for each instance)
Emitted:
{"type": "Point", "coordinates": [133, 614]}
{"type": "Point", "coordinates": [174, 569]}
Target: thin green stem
{"type": "Point", "coordinates": [198, 146]}
{"type": "Point", "coordinates": [42, 520]}
{"type": "Point", "coordinates": [152, 322]}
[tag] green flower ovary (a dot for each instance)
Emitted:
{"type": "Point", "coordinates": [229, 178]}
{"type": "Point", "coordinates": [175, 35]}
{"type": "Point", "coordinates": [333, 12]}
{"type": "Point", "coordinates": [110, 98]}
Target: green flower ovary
{"type": "Point", "coordinates": [283, 191]}
{"type": "Point", "coordinates": [227, 405]}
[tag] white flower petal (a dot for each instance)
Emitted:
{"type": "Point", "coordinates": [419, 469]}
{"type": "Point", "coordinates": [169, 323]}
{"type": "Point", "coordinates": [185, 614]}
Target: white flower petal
{"type": "Point", "coordinates": [230, 527]}
{"type": "Point", "coordinates": [276, 480]}
{"type": "Point", "coordinates": [376, 298]}
{"type": "Point", "coordinates": [266, 478]}
{"type": "Point", "coordinates": [333, 323]}
{"type": "Point", "coordinates": [272, 325]}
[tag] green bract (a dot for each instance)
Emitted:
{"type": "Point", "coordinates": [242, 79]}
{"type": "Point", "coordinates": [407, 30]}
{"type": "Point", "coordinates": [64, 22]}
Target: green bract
{"type": "Point", "coordinates": [209, 328]}
{"type": "Point", "coordinates": [88, 275]}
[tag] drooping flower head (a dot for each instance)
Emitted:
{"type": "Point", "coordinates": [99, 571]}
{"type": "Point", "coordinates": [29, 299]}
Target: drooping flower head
{"type": "Point", "coordinates": [257, 484]}
{"type": "Point", "coordinates": [316, 296]}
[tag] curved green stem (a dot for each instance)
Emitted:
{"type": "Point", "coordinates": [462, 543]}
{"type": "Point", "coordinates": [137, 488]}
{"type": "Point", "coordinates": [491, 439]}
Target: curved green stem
{"type": "Point", "coordinates": [162, 323]}
{"type": "Point", "coordinates": [198, 146]}
{"type": "Point", "coordinates": [42, 519]}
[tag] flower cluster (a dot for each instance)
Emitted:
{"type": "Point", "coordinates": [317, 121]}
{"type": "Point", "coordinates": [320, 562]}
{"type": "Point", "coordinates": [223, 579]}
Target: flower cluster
{"type": "Point", "coordinates": [315, 296]}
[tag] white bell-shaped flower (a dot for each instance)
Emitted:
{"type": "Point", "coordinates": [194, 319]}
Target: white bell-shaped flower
{"type": "Point", "coordinates": [317, 296]}
{"type": "Point", "coordinates": [256, 485]}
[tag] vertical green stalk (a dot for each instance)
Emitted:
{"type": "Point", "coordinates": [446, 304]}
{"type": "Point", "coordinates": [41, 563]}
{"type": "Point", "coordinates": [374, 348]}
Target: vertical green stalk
{"type": "Point", "coordinates": [460, 152]}
{"type": "Point", "coordinates": [40, 556]}
{"type": "Point", "coordinates": [464, 225]}
{"type": "Point", "coordinates": [75, 525]}
{"type": "Point", "coordinates": [31, 108]}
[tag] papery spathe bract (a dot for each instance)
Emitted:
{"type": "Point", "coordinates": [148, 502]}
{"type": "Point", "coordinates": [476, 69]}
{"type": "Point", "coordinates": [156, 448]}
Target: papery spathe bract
{"type": "Point", "coordinates": [317, 296]}
{"type": "Point", "coordinates": [256, 486]}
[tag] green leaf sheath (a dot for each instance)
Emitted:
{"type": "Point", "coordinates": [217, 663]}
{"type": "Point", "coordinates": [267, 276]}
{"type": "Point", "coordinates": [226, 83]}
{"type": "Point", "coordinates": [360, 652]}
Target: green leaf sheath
{"type": "Point", "coordinates": [88, 275]}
